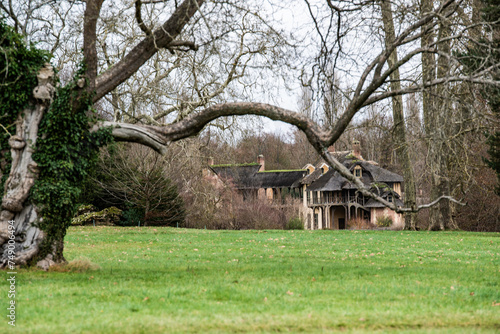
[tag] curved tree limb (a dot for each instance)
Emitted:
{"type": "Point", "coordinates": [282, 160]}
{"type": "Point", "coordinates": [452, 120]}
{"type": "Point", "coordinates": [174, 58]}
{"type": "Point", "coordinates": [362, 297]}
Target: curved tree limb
{"type": "Point", "coordinates": [158, 137]}
{"type": "Point", "coordinates": [141, 134]}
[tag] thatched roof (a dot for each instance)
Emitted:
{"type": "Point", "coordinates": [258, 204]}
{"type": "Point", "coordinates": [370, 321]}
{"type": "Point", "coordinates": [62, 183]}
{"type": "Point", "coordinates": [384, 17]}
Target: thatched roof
{"type": "Point", "coordinates": [376, 204]}
{"type": "Point", "coordinates": [378, 174]}
{"type": "Point", "coordinates": [308, 179]}
{"type": "Point", "coordinates": [241, 176]}
{"type": "Point", "coordinates": [249, 177]}
{"type": "Point", "coordinates": [280, 179]}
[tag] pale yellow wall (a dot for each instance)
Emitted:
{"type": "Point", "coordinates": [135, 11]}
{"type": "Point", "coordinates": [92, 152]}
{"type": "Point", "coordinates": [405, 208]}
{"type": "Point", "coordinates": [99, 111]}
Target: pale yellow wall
{"type": "Point", "coordinates": [397, 218]}
{"type": "Point", "coordinates": [306, 210]}
{"type": "Point", "coordinates": [318, 211]}
{"type": "Point", "coordinates": [310, 169]}
{"type": "Point", "coordinates": [397, 188]}
{"type": "Point", "coordinates": [269, 193]}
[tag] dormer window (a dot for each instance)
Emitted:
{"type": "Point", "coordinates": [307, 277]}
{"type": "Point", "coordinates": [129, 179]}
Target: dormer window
{"type": "Point", "coordinates": [324, 168]}
{"type": "Point", "coordinates": [358, 171]}
{"type": "Point", "coordinates": [389, 198]}
{"type": "Point", "coordinates": [310, 168]}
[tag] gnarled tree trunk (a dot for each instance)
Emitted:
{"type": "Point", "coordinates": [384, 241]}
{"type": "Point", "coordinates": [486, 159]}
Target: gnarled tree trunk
{"type": "Point", "coordinates": [16, 208]}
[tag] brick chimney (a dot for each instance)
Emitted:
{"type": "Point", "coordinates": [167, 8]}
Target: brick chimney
{"type": "Point", "coordinates": [356, 149]}
{"type": "Point", "coordinates": [261, 162]}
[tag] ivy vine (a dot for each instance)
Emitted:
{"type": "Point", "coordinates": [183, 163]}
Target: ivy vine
{"type": "Point", "coordinates": [19, 65]}
{"type": "Point", "coordinates": [66, 150]}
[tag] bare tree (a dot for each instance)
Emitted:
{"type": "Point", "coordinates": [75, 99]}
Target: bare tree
{"type": "Point", "coordinates": [399, 129]}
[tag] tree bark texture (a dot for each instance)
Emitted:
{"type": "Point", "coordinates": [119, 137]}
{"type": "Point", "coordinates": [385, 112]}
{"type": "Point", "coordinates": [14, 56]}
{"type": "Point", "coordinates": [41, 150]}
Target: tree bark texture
{"type": "Point", "coordinates": [23, 173]}
{"type": "Point", "coordinates": [437, 117]}
{"type": "Point", "coordinates": [399, 129]}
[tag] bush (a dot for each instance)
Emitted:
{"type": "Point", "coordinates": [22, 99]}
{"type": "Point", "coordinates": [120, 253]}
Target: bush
{"type": "Point", "coordinates": [133, 216]}
{"type": "Point", "coordinates": [108, 216]}
{"type": "Point", "coordinates": [295, 223]}
{"type": "Point", "coordinates": [359, 224]}
{"type": "Point", "coordinates": [384, 221]}
{"type": "Point", "coordinates": [228, 210]}
{"type": "Point", "coordinates": [135, 179]}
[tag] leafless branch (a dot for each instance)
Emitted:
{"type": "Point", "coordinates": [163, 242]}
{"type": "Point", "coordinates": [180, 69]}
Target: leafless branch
{"type": "Point", "coordinates": [138, 18]}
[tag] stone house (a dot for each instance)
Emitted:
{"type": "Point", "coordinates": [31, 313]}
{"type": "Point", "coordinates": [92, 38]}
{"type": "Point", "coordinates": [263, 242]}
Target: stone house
{"type": "Point", "coordinates": [320, 195]}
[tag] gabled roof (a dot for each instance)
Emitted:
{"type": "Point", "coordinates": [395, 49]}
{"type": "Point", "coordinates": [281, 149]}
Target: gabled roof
{"type": "Point", "coordinates": [308, 179]}
{"type": "Point", "coordinates": [333, 181]}
{"type": "Point", "coordinates": [376, 204]}
{"type": "Point", "coordinates": [330, 181]}
{"type": "Point", "coordinates": [379, 174]}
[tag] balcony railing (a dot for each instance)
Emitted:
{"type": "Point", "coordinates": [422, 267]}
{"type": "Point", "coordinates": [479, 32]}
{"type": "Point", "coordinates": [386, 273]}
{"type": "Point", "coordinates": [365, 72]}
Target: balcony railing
{"type": "Point", "coordinates": [334, 199]}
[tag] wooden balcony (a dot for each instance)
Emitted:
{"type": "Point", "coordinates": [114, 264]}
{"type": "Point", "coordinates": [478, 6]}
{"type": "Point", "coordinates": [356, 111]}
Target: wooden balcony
{"type": "Point", "coordinates": [328, 199]}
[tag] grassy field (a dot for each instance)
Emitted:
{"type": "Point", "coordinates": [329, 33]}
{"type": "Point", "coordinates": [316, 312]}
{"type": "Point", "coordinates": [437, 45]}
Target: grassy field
{"type": "Point", "coordinates": [166, 280]}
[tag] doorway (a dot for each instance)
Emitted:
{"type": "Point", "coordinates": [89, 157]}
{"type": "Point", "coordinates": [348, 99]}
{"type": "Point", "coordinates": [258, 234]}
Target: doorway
{"type": "Point", "coordinates": [341, 223]}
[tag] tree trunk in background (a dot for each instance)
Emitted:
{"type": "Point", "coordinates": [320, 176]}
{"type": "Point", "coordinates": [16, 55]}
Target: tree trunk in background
{"type": "Point", "coordinates": [399, 130]}
{"type": "Point", "coordinates": [24, 171]}
{"type": "Point", "coordinates": [437, 117]}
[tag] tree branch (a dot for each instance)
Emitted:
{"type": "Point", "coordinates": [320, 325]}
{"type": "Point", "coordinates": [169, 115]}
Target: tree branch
{"type": "Point", "coordinates": [142, 134]}
{"type": "Point", "coordinates": [92, 11]}
{"type": "Point", "coordinates": [138, 18]}
{"type": "Point", "coordinates": [177, 45]}
{"type": "Point", "coordinates": [161, 38]}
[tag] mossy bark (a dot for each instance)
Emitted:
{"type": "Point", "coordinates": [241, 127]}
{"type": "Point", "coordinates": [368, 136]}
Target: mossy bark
{"type": "Point", "coordinates": [31, 243]}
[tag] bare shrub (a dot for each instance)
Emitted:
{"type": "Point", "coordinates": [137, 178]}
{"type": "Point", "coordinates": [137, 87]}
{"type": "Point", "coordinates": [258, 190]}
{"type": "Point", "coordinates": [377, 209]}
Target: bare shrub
{"type": "Point", "coordinates": [384, 221]}
{"type": "Point", "coordinates": [223, 207]}
{"type": "Point", "coordinates": [359, 224]}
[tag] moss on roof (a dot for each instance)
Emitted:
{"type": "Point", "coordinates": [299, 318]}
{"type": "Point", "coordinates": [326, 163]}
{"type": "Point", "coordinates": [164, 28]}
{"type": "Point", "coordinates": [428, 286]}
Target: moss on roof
{"type": "Point", "coordinates": [283, 171]}
{"type": "Point", "coordinates": [235, 165]}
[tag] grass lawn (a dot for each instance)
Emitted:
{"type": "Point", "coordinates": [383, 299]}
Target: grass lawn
{"type": "Point", "coordinates": [167, 280]}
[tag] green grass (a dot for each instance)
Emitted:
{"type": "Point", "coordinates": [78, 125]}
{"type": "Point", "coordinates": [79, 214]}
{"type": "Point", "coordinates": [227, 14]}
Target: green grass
{"type": "Point", "coordinates": [166, 280]}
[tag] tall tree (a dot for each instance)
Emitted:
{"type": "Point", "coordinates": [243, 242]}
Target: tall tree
{"type": "Point", "coordinates": [399, 129]}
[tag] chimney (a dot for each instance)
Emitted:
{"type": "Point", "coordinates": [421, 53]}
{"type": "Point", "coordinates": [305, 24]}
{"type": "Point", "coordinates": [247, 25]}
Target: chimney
{"type": "Point", "coordinates": [261, 162]}
{"type": "Point", "coordinates": [206, 171]}
{"type": "Point", "coordinates": [356, 149]}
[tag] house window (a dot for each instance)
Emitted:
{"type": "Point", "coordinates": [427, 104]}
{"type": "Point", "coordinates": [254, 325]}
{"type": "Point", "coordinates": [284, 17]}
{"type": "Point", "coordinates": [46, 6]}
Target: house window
{"type": "Point", "coordinates": [357, 171]}
{"type": "Point", "coordinates": [389, 198]}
